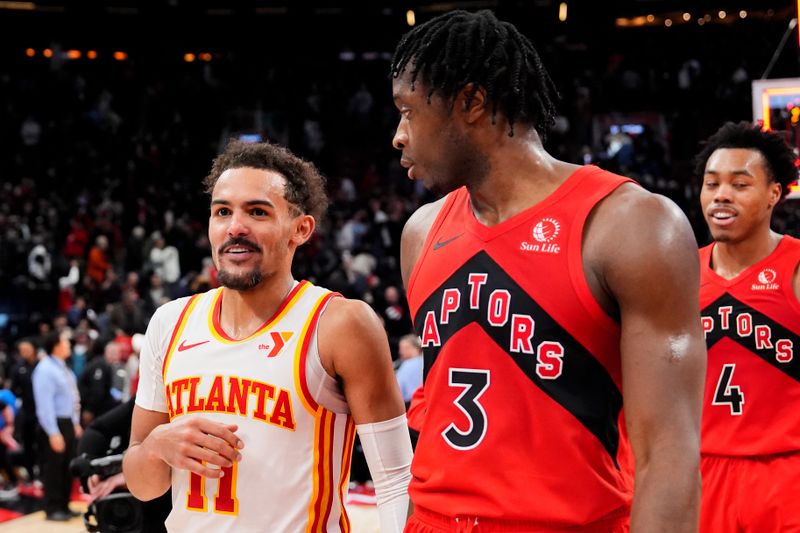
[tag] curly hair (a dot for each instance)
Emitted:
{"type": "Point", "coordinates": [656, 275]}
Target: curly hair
{"type": "Point", "coordinates": [305, 186]}
{"type": "Point", "coordinates": [779, 157]}
{"type": "Point", "coordinates": [460, 48]}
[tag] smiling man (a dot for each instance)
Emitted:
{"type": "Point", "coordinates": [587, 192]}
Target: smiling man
{"type": "Point", "coordinates": [749, 293]}
{"type": "Point", "coordinates": [250, 395]}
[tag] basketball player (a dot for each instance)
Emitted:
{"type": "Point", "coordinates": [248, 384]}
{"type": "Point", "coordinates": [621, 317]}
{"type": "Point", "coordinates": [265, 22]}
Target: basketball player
{"type": "Point", "coordinates": [749, 294]}
{"type": "Point", "coordinates": [541, 291]}
{"type": "Point", "coordinates": [250, 394]}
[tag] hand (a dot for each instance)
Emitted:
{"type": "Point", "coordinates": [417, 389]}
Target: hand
{"type": "Point", "coordinates": [190, 441]}
{"type": "Point", "coordinates": [78, 431]}
{"type": "Point", "coordinates": [57, 443]}
{"type": "Point", "coordinates": [8, 440]}
{"type": "Point", "coordinates": [87, 417]}
{"type": "Point", "coordinates": [101, 488]}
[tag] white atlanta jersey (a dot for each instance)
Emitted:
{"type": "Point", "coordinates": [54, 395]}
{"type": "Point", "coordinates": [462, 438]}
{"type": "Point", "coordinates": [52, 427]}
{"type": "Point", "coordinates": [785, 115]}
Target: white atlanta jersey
{"type": "Point", "coordinates": [295, 464]}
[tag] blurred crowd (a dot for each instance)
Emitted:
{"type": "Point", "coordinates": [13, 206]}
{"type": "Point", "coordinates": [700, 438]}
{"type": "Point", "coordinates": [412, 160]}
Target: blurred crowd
{"type": "Point", "coordinates": [103, 218]}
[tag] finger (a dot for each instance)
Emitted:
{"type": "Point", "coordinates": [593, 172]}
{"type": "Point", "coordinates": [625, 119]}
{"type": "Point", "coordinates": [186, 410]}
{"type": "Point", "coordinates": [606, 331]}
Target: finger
{"type": "Point", "coordinates": [213, 459]}
{"type": "Point", "coordinates": [221, 447]}
{"type": "Point", "coordinates": [223, 431]}
{"type": "Point", "coordinates": [199, 468]}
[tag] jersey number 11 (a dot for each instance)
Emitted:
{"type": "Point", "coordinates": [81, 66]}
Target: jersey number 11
{"type": "Point", "coordinates": [225, 501]}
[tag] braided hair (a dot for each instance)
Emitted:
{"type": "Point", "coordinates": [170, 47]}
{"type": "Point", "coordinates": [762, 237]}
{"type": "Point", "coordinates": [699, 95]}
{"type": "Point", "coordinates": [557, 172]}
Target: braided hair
{"type": "Point", "coordinates": [460, 48]}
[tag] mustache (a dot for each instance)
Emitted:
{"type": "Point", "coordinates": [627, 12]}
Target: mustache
{"type": "Point", "coordinates": [238, 241]}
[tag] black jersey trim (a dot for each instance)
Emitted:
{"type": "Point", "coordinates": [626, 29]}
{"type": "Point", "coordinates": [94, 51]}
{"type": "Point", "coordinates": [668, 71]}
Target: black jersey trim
{"type": "Point", "coordinates": [584, 388]}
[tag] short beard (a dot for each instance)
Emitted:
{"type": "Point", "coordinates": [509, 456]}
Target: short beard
{"type": "Point", "coordinates": [242, 283]}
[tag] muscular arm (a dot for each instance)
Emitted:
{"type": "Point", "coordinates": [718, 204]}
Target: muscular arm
{"type": "Point", "coordinates": [648, 262]}
{"type": "Point", "coordinates": [364, 367]}
{"type": "Point", "coordinates": [363, 364]}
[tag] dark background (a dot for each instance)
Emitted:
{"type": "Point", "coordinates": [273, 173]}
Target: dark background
{"type": "Point", "coordinates": [126, 143]}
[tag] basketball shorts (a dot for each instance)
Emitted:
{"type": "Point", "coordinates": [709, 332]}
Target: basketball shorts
{"type": "Point", "coordinates": [424, 521]}
{"type": "Point", "coordinates": [750, 494]}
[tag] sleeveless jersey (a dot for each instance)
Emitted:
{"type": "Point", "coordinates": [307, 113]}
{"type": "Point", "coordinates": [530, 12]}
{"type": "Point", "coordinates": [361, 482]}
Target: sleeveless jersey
{"type": "Point", "coordinates": [752, 329]}
{"type": "Point", "coordinates": [522, 366]}
{"type": "Point", "coordinates": [295, 464]}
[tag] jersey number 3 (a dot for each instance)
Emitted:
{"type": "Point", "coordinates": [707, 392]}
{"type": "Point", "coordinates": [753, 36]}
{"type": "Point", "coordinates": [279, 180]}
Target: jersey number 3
{"type": "Point", "coordinates": [474, 383]}
{"type": "Point", "coordinates": [727, 394]}
{"type": "Point", "coordinates": [225, 501]}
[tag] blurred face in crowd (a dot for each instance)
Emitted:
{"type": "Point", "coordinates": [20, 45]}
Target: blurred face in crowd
{"type": "Point", "coordinates": [738, 194]}
{"type": "Point", "coordinates": [253, 229]}
{"type": "Point", "coordinates": [391, 295]}
{"type": "Point", "coordinates": [63, 349]}
{"type": "Point", "coordinates": [113, 353]}
{"type": "Point", "coordinates": [27, 351]}
{"type": "Point", "coordinates": [435, 147]}
{"type": "Point", "coordinates": [407, 350]}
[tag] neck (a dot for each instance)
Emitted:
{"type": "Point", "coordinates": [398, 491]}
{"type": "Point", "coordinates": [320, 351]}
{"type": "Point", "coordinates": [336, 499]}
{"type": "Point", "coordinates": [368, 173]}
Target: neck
{"type": "Point", "coordinates": [729, 259]}
{"type": "Point", "coordinates": [243, 312]}
{"type": "Point", "coordinates": [521, 175]}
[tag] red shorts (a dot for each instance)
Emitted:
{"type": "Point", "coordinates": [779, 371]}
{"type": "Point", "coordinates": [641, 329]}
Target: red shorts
{"type": "Point", "coordinates": [424, 521]}
{"type": "Point", "coordinates": [750, 494]}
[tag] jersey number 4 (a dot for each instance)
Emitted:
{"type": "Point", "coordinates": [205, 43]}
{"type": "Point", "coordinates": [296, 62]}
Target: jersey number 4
{"type": "Point", "coordinates": [474, 383]}
{"type": "Point", "coordinates": [727, 394]}
{"type": "Point", "coordinates": [225, 501]}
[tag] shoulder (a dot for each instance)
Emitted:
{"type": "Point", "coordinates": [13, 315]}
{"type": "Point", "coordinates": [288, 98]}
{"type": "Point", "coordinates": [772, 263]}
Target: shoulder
{"type": "Point", "coordinates": [345, 314]}
{"type": "Point", "coordinates": [631, 212]}
{"type": "Point", "coordinates": [43, 366]}
{"type": "Point", "coordinates": [420, 222]}
{"type": "Point", "coordinates": [349, 330]}
{"type": "Point", "coordinates": [636, 233]}
{"type": "Point", "coordinates": [172, 310]}
{"type": "Point", "coordinates": [414, 233]}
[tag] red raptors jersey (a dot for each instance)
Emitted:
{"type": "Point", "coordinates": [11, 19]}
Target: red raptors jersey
{"type": "Point", "coordinates": [522, 366]}
{"type": "Point", "coordinates": [752, 328]}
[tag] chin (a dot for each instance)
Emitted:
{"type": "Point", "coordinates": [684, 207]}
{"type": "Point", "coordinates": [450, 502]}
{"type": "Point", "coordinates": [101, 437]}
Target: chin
{"type": "Point", "coordinates": [722, 237]}
{"type": "Point", "coordinates": [240, 282]}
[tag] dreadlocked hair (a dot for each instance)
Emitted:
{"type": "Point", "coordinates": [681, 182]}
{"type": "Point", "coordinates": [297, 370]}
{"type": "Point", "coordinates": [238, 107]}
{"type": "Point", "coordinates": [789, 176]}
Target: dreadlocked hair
{"type": "Point", "coordinates": [459, 48]}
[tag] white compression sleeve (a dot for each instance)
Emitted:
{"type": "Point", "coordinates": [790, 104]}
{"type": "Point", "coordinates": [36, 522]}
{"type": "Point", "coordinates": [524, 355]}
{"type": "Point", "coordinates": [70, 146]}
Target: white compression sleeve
{"type": "Point", "coordinates": [387, 448]}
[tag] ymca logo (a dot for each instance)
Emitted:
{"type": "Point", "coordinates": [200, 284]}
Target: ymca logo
{"type": "Point", "coordinates": [544, 233]}
{"type": "Point", "coordinates": [766, 281]}
{"type": "Point", "coordinates": [279, 339]}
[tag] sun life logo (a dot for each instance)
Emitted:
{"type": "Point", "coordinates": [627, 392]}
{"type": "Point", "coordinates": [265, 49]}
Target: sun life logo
{"type": "Point", "coordinates": [546, 230]}
{"type": "Point", "coordinates": [766, 276]}
{"type": "Point", "coordinates": [766, 281]}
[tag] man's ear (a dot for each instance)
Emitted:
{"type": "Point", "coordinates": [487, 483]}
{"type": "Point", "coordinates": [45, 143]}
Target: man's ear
{"type": "Point", "coordinates": [775, 194]}
{"type": "Point", "coordinates": [304, 226]}
{"type": "Point", "coordinates": [472, 101]}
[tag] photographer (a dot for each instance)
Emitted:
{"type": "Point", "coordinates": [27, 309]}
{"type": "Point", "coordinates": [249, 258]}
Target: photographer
{"type": "Point", "coordinates": [107, 437]}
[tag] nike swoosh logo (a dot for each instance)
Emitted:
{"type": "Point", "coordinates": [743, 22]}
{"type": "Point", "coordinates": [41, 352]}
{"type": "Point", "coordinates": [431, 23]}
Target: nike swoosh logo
{"type": "Point", "coordinates": [438, 244]}
{"type": "Point", "coordinates": [185, 346]}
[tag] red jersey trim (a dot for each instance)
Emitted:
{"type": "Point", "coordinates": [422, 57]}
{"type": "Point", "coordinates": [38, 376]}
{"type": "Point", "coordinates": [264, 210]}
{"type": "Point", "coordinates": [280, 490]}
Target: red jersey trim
{"type": "Point", "coordinates": [728, 283]}
{"type": "Point", "coordinates": [792, 266]}
{"type": "Point", "coordinates": [487, 233]}
{"type": "Point", "coordinates": [308, 332]}
{"type": "Point", "coordinates": [575, 256]}
{"type": "Point", "coordinates": [347, 455]}
{"type": "Point", "coordinates": [219, 333]}
{"type": "Point", "coordinates": [176, 333]}
{"type": "Point", "coordinates": [437, 224]}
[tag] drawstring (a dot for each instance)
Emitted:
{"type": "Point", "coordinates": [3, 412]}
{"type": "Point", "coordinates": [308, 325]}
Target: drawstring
{"type": "Point", "coordinates": [467, 526]}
